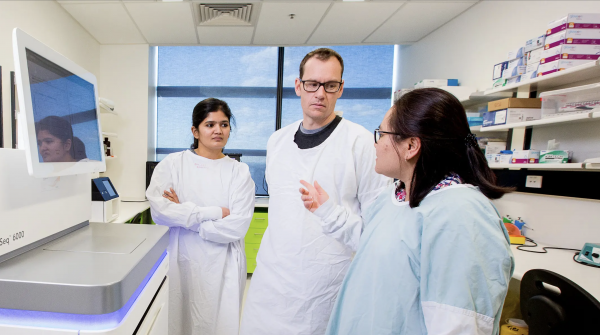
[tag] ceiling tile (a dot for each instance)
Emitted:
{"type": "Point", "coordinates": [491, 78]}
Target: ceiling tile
{"type": "Point", "coordinates": [352, 22]}
{"type": "Point", "coordinates": [109, 23]}
{"type": "Point", "coordinates": [164, 22]}
{"type": "Point", "coordinates": [275, 27]}
{"type": "Point", "coordinates": [415, 20]}
{"type": "Point", "coordinates": [225, 35]}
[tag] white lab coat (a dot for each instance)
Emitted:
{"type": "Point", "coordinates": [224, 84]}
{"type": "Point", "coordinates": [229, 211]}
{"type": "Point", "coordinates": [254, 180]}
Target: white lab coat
{"type": "Point", "coordinates": [206, 252]}
{"type": "Point", "coordinates": [303, 256]}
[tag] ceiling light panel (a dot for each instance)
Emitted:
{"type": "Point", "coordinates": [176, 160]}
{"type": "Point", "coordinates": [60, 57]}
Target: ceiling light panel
{"type": "Point", "coordinates": [164, 22]}
{"type": "Point", "coordinates": [108, 22]}
{"type": "Point", "coordinates": [352, 22]}
{"type": "Point", "coordinates": [416, 20]}
{"type": "Point", "coordinates": [275, 27]}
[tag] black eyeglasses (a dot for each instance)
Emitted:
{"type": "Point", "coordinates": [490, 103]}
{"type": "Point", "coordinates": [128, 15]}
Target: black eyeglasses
{"type": "Point", "coordinates": [313, 86]}
{"type": "Point", "coordinates": [377, 134]}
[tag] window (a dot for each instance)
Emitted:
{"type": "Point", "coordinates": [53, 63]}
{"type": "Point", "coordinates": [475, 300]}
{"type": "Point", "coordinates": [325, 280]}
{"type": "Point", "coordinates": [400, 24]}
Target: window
{"type": "Point", "coordinates": [246, 78]}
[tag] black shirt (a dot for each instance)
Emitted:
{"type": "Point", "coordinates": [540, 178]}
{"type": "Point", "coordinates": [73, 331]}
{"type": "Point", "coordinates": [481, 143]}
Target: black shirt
{"type": "Point", "coordinates": [307, 141]}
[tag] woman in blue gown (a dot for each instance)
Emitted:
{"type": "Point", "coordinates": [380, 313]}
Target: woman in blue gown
{"type": "Point", "coordinates": [434, 256]}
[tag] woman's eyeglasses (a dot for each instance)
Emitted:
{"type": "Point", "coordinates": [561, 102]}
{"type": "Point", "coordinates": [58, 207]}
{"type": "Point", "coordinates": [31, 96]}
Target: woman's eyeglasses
{"type": "Point", "coordinates": [377, 134]}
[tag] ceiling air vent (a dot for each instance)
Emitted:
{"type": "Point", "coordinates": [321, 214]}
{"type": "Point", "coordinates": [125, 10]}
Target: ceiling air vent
{"type": "Point", "coordinates": [225, 14]}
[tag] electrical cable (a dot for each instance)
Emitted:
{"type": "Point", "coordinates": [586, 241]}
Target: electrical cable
{"type": "Point", "coordinates": [546, 251]}
{"type": "Point", "coordinates": [544, 248]}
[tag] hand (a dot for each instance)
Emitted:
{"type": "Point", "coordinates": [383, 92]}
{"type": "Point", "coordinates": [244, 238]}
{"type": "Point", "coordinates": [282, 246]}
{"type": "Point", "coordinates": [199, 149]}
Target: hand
{"type": "Point", "coordinates": [225, 212]}
{"type": "Point", "coordinates": [171, 196]}
{"type": "Point", "coordinates": [313, 196]}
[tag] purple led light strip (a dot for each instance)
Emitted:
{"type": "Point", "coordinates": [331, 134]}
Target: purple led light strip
{"type": "Point", "coordinates": [15, 317]}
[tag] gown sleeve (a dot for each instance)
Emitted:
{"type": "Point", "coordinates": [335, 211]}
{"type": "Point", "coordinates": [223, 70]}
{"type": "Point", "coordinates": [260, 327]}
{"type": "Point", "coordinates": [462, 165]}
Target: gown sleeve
{"type": "Point", "coordinates": [241, 201]}
{"type": "Point", "coordinates": [167, 213]}
{"type": "Point", "coordinates": [340, 222]}
{"type": "Point", "coordinates": [466, 264]}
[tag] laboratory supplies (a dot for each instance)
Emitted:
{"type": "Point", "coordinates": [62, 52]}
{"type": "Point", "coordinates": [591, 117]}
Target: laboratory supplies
{"type": "Point", "coordinates": [590, 254]}
{"type": "Point", "coordinates": [534, 43]}
{"type": "Point", "coordinates": [555, 156]}
{"type": "Point", "coordinates": [559, 65]}
{"type": "Point", "coordinates": [498, 69]}
{"type": "Point", "coordinates": [574, 100]}
{"type": "Point", "coordinates": [515, 53]}
{"type": "Point", "coordinates": [493, 119]}
{"type": "Point", "coordinates": [534, 56]}
{"type": "Point", "coordinates": [514, 80]}
{"type": "Point", "coordinates": [436, 83]}
{"type": "Point", "coordinates": [515, 67]}
{"type": "Point", "coordinates": [571, 51]}
{"type": "Point", "coordinates": [576, 21]}
{"type": "Point", "coordinates": [514, 103]}
{"type": "Point", "coordinates": [525, 156]}
{"type": "Point", "coordinates": [514, 327]}
{"type": "Point", "coordinates": [515, 115]}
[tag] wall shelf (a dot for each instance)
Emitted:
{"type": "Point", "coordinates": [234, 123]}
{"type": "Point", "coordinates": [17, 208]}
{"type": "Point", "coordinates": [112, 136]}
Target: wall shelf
{"type": "Point", "coordinates": [557, 166]}
{"type": "Point", "coordinates": [480, 98]}
{"type": "Point", "coordinates": [572, 118]}
{"type": "Point", "coordinates": [575, 74]}
{"type": "Point", "coordinates": [478, 129]}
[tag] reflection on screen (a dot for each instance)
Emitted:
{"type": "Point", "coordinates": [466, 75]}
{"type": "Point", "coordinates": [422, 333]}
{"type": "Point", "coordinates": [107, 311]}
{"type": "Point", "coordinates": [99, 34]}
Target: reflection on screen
{"type": "Point", "coordinates": [64, 111]}
{"type": "Point", "coordinates": [110, 190]}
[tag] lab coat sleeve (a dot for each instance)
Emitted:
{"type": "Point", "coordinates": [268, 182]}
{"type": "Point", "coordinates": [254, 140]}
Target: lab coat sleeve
{"type": "Point", "coordinates": [235, 226]}
{"type": "Point", "coordinates": [465, 267]}
{"type": "Point", "coordinates": [340, 222]}
{"type": "Point", "coordinates": [167, 213]}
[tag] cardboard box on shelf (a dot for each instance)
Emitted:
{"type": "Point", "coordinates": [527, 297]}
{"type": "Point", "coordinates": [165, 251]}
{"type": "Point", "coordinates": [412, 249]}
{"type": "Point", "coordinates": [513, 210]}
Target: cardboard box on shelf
{"type": "Point", "coordinates": [560, 65]}
{"type": "Point", "coordinates": [498, 69]}
{"type": "Point", "coordinates": [515, 53]}
{"type": "Point", "coordinates": [534, 43]}
{"type": "Point", "coordinates": [525, 156]}
{"type": "Point", "coordinates": [534, 56]}
{"type": "Point", "coordinates": [556, 26]}
{"type": "Point", "coordinates": [514, 103]}
{"type": "Point", "coordinates": [516, 67]}
{"type": "Point", "coordinates": [516, 115]}
{"type": "Point", "coordinates": [572, 51]}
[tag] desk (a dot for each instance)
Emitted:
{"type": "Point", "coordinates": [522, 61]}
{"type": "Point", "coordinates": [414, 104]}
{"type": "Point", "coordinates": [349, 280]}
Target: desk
{"type": "Point", "coordinates": [561, 262]}
{"type": "Point", "coordinates": [128, 210]}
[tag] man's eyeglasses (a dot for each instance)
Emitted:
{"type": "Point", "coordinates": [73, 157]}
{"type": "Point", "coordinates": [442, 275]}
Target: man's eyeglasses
{"type": "Point", "coordinates": [377, 133]}
{"type": "Point", "coordinates": [313, 86]}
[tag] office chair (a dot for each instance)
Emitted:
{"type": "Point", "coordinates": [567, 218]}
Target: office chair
{"type": "Point", "coordinates": [547, 312]}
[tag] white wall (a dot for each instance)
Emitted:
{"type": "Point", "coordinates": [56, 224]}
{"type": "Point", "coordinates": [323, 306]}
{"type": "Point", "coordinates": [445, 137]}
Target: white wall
{"type": "Point", "coordinates": [467, 48]}
{"type": "Point", "coordinates": [48, 22]}
{"type": "Point", "coordinates": [124, 80]}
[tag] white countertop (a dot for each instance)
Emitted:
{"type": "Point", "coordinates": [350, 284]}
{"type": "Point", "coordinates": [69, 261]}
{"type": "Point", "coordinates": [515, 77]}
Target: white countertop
{"type": "Point", "coordinates": [127, 210]}
{"type": "Point", "coordinates": [561, 262]}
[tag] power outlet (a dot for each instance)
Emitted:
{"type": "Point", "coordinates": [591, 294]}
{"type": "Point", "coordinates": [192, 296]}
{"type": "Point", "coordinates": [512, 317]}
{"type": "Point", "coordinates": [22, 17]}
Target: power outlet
{"type": "Point", "coordinates": [534, 182]}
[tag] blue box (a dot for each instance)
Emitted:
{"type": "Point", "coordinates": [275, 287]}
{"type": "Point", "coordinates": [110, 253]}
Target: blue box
{"type": "Point", "coordinates": [494, 118]}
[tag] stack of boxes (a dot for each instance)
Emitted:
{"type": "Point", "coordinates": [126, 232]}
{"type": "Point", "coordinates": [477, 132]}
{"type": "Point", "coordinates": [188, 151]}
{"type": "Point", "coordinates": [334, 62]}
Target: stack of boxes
{"type": "Point", "coordinates": [512, 110]}
{"type": "Point", "coordinates": [570, 41]}
{"type": "Point", "coordinates": [533, 54]}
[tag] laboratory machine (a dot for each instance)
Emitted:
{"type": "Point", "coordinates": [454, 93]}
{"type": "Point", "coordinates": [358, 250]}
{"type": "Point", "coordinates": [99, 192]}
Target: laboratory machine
{"type": "Point", "coordinates": [60, 273]}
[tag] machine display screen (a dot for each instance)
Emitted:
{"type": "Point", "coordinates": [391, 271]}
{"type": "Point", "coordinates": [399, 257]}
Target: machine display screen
{"type": "Point", "coordinates": [64, 111]}
{"type": "Point", "coordinates": [109, 188]}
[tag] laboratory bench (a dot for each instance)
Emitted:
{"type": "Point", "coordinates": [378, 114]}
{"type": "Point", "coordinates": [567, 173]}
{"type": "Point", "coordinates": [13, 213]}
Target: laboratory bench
{"type": "Point", "coordinates": [558, 261]}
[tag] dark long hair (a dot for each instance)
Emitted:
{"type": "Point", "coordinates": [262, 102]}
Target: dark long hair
{"type": "Point", "coordinates": [206, 106]}
{"type": "Point", "coordinates": [61, 128]}
{"type": "Point", "coordinates": [439, 120]}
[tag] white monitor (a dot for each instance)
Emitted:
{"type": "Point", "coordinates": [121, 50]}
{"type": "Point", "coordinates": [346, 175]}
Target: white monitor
{"type": "Point", "coordinates": [59, 119]}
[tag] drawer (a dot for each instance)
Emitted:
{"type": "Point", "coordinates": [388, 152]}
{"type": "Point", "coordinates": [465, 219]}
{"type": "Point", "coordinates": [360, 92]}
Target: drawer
{"type": "Point", "coordinates": [255, 235]}
{"type": "Point", "coordinates": [252, 250]}
{"type": "Point", "coordinates": [259, 220]}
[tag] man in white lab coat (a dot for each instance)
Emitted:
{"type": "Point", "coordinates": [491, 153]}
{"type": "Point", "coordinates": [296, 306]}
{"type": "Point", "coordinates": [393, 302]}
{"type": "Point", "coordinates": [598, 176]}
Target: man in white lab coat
{"type": "Point", "coordinates": [303, 255]}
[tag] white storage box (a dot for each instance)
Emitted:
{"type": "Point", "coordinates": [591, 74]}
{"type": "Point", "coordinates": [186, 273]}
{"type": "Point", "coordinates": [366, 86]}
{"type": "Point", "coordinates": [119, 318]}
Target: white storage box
{"type": "Point", "coordinates": [574, 100]}
{"type": "Point", "coordinates": [559, 65]}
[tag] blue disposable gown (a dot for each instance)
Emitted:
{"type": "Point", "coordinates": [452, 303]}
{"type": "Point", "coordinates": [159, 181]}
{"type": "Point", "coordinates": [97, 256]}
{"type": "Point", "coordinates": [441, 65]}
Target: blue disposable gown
{"type": "Point", "coordinates": [440, 268]}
